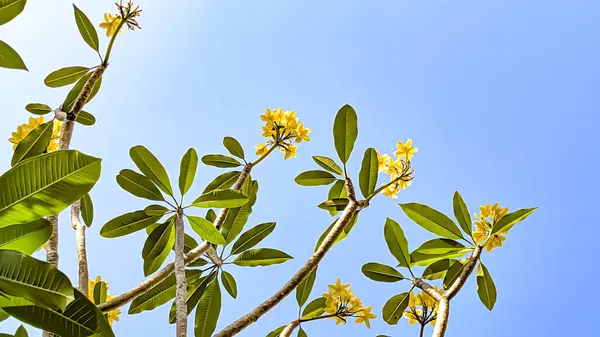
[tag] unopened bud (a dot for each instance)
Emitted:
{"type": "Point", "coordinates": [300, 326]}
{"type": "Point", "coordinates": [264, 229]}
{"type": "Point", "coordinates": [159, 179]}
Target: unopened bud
{"type": "Point", "coordinates": [59, 114]}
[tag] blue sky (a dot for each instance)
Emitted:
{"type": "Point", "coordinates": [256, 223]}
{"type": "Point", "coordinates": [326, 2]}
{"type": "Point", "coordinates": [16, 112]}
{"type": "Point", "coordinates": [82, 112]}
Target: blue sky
{"type": "Point", "coordinates": [497, 95]}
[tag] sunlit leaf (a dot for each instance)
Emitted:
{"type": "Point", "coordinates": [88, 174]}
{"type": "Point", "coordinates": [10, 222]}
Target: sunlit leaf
{"type": "Point", "coordinates": [345, 132]}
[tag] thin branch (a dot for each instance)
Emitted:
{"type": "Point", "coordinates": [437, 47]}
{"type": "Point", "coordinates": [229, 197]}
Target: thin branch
{"type": "Point", "coordinates": [287, 332]}
{"type": "Point", "coordinates": [301, 274]}
{"type": "Point", "coordinates": [181, 283]}
{"type": "Point", "coordinates": [82, 262]}
{"type": "Point", "coordinates": [212, 254]}
{"type": "Point", "coordinates": [419, 283]}
{"type": "Point", "coordinates": [190, 257]}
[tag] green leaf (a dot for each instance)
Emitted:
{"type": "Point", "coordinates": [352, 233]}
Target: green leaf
{"type": "Point", "coordinates": [9, 58]}
{"type": "Point", "coordinates": [441, 246]}
{"type": "Point", "coordinates": [157, 241]}
{"type": "Point", "coordinates": [138, 185]}
{"type": "Point", "coordinates": [80, 318]}
{"type": "Point", "coordinates": [87, 210]}
{"type": "Point", "coordinates": [420, 259]}
{"type": "Point", "coordinates": [314, 178]}
{"type": "Point", "coordinates": [301, 332]}
{"type": "Point", "coordinates": [219, 160]}
{"type": "Point", "coordinates": [189, 243]}
{"type": "Point", "coordinates": [338, 204]}
{"type": "Point", "coordinates": [509, 220]}
{"type": "Point", "coordinates": [10, 9]}
{"type": "Point", "coordinates": [238, 217]}
{"type": "Point", "coordinates": [394, 308]}
{"type": "Point", "coordinates": [206, 230]}
{"type": "Point", "coordinates": [437, 270]}
{"type": "Point", "coordinates": [305, 288]}
{"type": "Point", "coordinates": [221, 199]}
{"type": "Point", "coordinates": [368, 172]}
{"type": "Point", "coordinates": [100, 292]}
{"type": "Point", "coordinates": [187, 170]}
{"type": "Point", "coordinates": [223, 181]}
{"type": "Point", "coordinates": [485, 287]}
{"type": "Point", "coordinates": [151, 167]}
{"type": "Point", "coordinates": [85, 118]}
{"type": "Point", "coordinates": [314, 309]}
{"type": "Point", "coordinates": [195, 291]}
{"type": "Point", "coordinates": [328, 164]}
{"type": "Point", "coordinates": [252, 237]}
{"type": "Point", "coordinates": [38, 108]}
{"type": "Point", "coordinates": [35, 143]}
{"type": "Point", "coordinates": [152, 265]}
{"type": "Point", "coordinates": [160, 293]}
{"type": "Point", "coordinates": [37, 281]}
{"type": "Point", "coordinates": [276, 332]}
{"type": "Point", "coordinates": [211, 215]}
{"type": "Point", "coordinates": [229, 283]}
{"type": "Point", "coordinates": [452, 274]}
{"type": "Point", "coordinates": [25, 238]}
{"type": "Point", "coordinates": [396, 242]}
{"type": "Point", "coordinates": [381, 272]}
{"type": "Point", "coordinates": [21, 332]}
{"type": "Point", "coordinates": [156, 210]}
{"type": "Point", "coordinates": [65, 76]}
{"type": "Point", "coordinates": [432, 220]}
{"type": "Point", "coordinates": [234, 147]}
{"type": "Point", "coordinates": [69, 101]}
{"type": "Point", "coordinates": [198, 263]}
{"type": "Point", "coordinates": [345, 132]}
{"type": "Point", "coordinates": [209, 308]}
{"type": "Point", "coordinates": [337, 191]}
{"type": "Point", "coordinates": [86, 29]}
{"type": "Point", "coordinates": [128, 223]}
{"type": "Point", "coordinates": [461, 212]}
{"type": "Point", "coordinates": [261, 257]}
{"type": "Point", "coordinates": [45, 185]}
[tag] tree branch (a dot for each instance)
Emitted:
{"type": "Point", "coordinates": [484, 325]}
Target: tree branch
{"type": "Point", "coordinates": [287, 332]}
{"type": "Point", "coordinates": [211, 253]}
{"type": "Point", "coordinates": [181, 283]}
{"type": "Point", "coordinates": [79, 228]}
{"type": "Point", "coordinates": [190, 257]}
{"type": "Point", "coordinates": [301, 274]}
{"type": "Point", "coordinates": [419, 283]}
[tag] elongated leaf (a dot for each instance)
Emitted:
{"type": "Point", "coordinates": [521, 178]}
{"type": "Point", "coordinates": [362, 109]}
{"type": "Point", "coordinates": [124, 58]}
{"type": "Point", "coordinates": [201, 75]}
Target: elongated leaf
{"type": "Point", "coordinates": [85, 118]}
{"type": "Point", "coordinates": [38, 108]}
{"type": "Point", "coordinates": [252, 237]}
{"type": "Point", "coordinates": [396, 242]}
{"type": "Point", "coordinates": [510, 219]}
{"type": "Point", "coordinates": [160, 293]}
{"type": "Point", "coordinates": [187, 170]}
{"type": "Point", "coordinates": [45, 185]}
{"type": "Point", "coordinates": [10, 9]}
{"type": "Point", "coordinates": [65, 76]}
{"type": "Point", "coordinates": [157, 241]}
{"type": "Point", "coordinates": [152, 265]}
{"type": "Point", "coordinates": [211, 215]}
{"type": "Point", "coordinates": [25, 238]}
{"type": "Point", "coordinates": [198, 263]}
{"type": "Point", "coordinates": [345, 132]}
{"type": "Point", "coordinates": [368, 172]}
{"type": "Point", "coordinates": [394, 307]}
{"type": "Point", "coordinates": [206, 230]}
{"type": "Point", "coordinates": [219, 160]}
{"type": "Point", "coordinates": [80, 318]}
{"type": "Point", "coordinates": [314, 309]}
{"type": "Point", "coordinates": [189, 243]}
{"type": "Point", "coordinates": [221, 199]}
{"type": "Point", "coordinates": [334, 205]}
{"type": "Point", "coordinates": [37, 281]}
{"type": "Point", "coordinates": [69, 101]}
{"type": "Point", "coordinates": [486, 289]}
{"type": "Point", "coordinates": [234, 147]}
{"type": "Point", "coordinates": [314, 178]}
{"type": "Point", "coordinates": [328, 164]}
{"type": "Point", "coordinates": [209, 308]}
{"type": "Point", "coordinates": [452, 274]}
{"type": "Point", "coordinates": [21, 332]}
{"type": "Point", "coordinates": [138, 185]}
{"type": "Point", "coordinates": [337, 191]}
{"type": "Point", "coordinates": [128, 223]}
{"type": "Point", "coordinates": [461, 213]}
{"type": "Point", "coordinates": [420, 259]}
{"type": "Point", "coordinates": [441, 246]}
{"type": "Point", "coordinates": [432, 220]}
{"type": "Point", "coordinates": [276, 332]}
{"type": "Point", "coordinates": [156, 210]}
{"type": "Point", "coordinates": [9, 58]}
{"type": "Point", "coordinates": [35, 143]}
{"type": "Point", "coordinates": [261, 257]}
{"type": "Point", "coordinates": [238, 217]}
{"type": "Point", "coordinates": [301, 332]}
{"type": "Point", "coordinates": [229, 283]}
{"type": "Point", "coordinates": [223, 181]}
{"type": "Point", "coordinates": [151, 167]}
{"type": "Point", "coordinates": [381, 272]}
{"type": "Point", "coordinates": [437, 270]}
{"type": "Point", "coordinates": [86, 29]}
{"type": "Point", "coordinates": [305, 288]}
{"type": "Point", "coordinates": [87, 210]}
{"type": "Point", "coordinates": [100, 292]}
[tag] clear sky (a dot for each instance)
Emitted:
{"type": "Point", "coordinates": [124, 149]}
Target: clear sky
{"type": "Point", "coordinates": [497, 95]}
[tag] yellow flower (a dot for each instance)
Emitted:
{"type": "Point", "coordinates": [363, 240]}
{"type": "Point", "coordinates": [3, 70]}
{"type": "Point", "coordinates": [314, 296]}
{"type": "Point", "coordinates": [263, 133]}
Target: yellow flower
{"type": "Point", "coordinates": [110, 24]}
{"type": "Point", "coordinates": [413, 317]}
{"type": "Point", "coordinates": [338, 288]}
{"type": "Point", "coordinates": [290, 152]}
{"type": "Point", "coordinates": [261, 149]}
{"type": "Point", "coordinates": [405, 150]}
{"type": "Point", "coordinates": [302, 133]}
{"type": "Point", "coordinates": [273, 117]}
{"type": "Point", "coordinates": [35, 122]}
{"type": "Point", "coordinates": [283, 129]}
{"type": "Point", "coordinates": [56, 128]}
{"type": "Point", "coordinates": [52, 146]}
{"type": "Point", "coordinates": [364, 316]}
{"type": "Point", "coordinates": [414, 300]}
{"type": "Point", "coordinates": [488, 216]}
{"type": "Point", "coordinates": [19, 135]}
{"type": "Point", "coordinates": [383, 161]}
{"type": "Point", "coordinates": [391, 191]}
{"type": "Point", "coordinates": [112, 315]}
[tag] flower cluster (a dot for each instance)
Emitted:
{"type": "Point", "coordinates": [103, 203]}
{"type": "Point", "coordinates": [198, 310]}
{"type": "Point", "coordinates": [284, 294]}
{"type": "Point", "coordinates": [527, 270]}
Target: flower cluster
{"type": "Point", "coordinates": [341, 303]}
{"type": "Point", "coordinates": [24, 129]}
{"type": "Point", "coordinates": [488, 216]}
{"type": "Point", "coordinates": [111, 316]}
{"type": "Point", "coordinates": [282, 129]}
{"type": "Point", "coordinates": [126, 12]}
{"type": "Point", "coordinates": [399, 169]}
{"type": "Point", "coordinates": [422, 308]}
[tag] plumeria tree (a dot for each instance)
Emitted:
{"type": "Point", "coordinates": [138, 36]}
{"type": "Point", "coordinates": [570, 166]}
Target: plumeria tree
{"type": "Point", "coordinates": [207, 235]}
